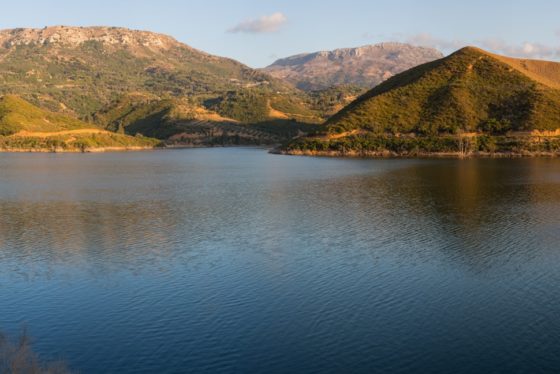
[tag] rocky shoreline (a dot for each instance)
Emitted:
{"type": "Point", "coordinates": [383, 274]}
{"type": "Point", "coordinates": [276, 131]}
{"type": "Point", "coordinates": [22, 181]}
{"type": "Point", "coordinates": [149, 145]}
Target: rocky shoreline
{"type": "Point", "coordinates": [390, 154]}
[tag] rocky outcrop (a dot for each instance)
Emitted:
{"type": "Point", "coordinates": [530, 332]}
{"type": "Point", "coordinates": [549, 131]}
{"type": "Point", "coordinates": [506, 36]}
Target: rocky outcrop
{"type": "Point", "coordinates": [365, 66]}
{"type": "Point", "coordinates": [76, 36]}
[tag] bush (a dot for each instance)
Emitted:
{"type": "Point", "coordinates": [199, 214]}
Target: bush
{"type": "Point", "coordinates": [7, 129]}
{"type": "Point", "coordinates": [495, 127]}
{"type": "Point", "coordinates": [410, 146]}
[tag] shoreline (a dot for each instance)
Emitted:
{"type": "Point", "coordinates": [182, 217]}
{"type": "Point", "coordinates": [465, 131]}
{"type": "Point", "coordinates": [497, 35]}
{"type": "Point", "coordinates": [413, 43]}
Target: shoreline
{"type": "Point", "coordinates": [188, 146]}
{"type": "Point", "coordinates": [77, 150]}
{"type": "Point", "coordinates": [127, 149]}
{"type": "Point", "coordinates": [304, 153]}
{"type": "Point", "coordinates": [418, 155]}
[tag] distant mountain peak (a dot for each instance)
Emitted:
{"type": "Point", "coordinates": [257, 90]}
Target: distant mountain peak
{"type": "Point", "coordinates": [80, 70]}
{"type": "Point", "coordinates": [72, 36]}
{"type": "Point", "coordinates": [364, 66]}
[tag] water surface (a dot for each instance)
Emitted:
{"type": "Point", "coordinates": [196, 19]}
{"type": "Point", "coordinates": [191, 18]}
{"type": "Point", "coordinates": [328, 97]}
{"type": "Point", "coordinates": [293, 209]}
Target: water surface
{"type": "Point", "coordinates": [235, 260]}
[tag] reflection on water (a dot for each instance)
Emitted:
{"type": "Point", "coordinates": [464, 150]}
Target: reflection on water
{"type": "Point", "coordinates": [228, 260]}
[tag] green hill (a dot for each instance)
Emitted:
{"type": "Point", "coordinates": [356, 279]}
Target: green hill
{"type": "Point", "coordinates": [183, 121]}
{"type": "Point", "coordinates": [81, 70]}
{"type": "Point", "coordinates": [100, 74]}
{"type": "Point", "coordinates": [24, 126]}
{"type": "Point", "coordinates": [471, 94]}
{"type": "Point", "coordinates": [18, 115]}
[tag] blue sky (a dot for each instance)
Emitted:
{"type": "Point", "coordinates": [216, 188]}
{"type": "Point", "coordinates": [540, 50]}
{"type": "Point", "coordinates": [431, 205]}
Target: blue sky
{"type": "Point", "coordinates": [257, 32]}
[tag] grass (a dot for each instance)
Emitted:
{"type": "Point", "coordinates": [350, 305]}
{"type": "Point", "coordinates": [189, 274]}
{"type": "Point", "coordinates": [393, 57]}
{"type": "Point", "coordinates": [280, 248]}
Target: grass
{"type": "Point", "coordinates": [17, 115]}
{"type": "Point", "coordinates": [457, 94]}
{"type": "Point", "coordinates": [25, 126]}
{"type": "Point", "coordinates": [544, 72]}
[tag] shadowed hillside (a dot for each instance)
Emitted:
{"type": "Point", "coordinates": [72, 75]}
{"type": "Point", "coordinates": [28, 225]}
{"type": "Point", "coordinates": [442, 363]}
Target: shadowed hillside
{"type": "Point", "coordinates": [184, 122]}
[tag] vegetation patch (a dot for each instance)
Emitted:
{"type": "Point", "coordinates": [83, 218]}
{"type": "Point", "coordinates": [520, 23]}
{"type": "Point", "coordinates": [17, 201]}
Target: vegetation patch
{"type": "Point", "coordinates": [410, 146]}
{"type": "Point", "coordinates": [468, 91]}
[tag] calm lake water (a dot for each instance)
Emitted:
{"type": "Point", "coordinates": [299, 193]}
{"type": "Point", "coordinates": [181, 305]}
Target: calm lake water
{"type": "Point", "coordinates": [235, 260]}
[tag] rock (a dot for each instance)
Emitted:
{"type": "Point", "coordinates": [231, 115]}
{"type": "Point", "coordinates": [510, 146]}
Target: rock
{"type": "Point", "coordinates": [364, 66]}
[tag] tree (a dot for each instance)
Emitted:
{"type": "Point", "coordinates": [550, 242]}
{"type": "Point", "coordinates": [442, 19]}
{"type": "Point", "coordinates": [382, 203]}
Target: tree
{"type": "Point", "coordinates": [495, 127]}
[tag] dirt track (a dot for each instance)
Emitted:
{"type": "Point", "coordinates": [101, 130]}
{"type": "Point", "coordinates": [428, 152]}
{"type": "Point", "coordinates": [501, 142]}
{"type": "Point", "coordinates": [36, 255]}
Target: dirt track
{"type": "Point", "coordinates": [37, 134]}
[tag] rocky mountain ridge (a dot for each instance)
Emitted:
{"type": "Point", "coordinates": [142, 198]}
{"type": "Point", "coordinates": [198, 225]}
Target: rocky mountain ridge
{"type": "Point", "coordinates": [76, 36]}
{"type": "Point", "coordinates": [364, 66]}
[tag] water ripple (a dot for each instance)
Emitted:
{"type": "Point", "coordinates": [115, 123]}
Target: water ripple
{"type": "Point", "coordinates": [233, 260]}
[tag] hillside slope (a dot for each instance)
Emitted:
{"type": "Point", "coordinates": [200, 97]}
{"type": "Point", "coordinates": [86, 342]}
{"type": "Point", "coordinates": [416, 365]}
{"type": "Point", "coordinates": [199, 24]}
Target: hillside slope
{"type": "Point", "coordinates": [365, 66]}
{"type": "Point", "coordinates": [17, 115]}
{"type": "Point", "coordinates": [24, 126]}
{"type": "Point", "coordinates": [471, 93]}
{"type": "Point", "coordinates": [181, 121]}
{"type": "Point", "coordinates": [459, 93]}
{"type": "Point", "coordinates": [80, 70]}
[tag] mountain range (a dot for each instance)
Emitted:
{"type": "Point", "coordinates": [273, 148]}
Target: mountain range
{"type": "Point", "coordinates": [81, 70]}
{"type": "Point", "coordinates": [86, 72]}
{"type": "Point", "coordinates": [90, 72]}
{"type": "Point", "coordinates": [365, 66]}
{"type": "Point", "coordinates": [109, 86]}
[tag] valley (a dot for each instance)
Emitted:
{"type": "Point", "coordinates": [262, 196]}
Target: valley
{"type": "Point", "coordinates": [388, 99]}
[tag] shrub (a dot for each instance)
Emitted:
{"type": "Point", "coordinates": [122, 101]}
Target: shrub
{"type": "Point", "coordinates": [495, 127]}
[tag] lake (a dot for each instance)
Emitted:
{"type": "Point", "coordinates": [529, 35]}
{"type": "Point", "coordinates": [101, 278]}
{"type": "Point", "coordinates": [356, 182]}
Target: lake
{"type": "Point", "coordinates": [236, 260]}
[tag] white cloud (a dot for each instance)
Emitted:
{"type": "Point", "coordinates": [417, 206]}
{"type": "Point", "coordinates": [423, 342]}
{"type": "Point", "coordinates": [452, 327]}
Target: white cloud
{"type": "Point", "coordinates": [523, 50]}
{"type": "Point", "coordinates": [526, 50]}
{"type": "Point", "coordinates": [427, 40]}
{"type": "Point", "coordinates": [264, 24]}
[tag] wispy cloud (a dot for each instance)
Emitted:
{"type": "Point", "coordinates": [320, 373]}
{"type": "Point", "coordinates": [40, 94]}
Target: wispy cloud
{"type": "Point", "coordinates": [527, 49]}
{"type": "Point", "coordinates": [428, 40]}
{"type": "Point", "coordinates": [523, 50]}
{"type": "Point", "coordinates": [264, 24]}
